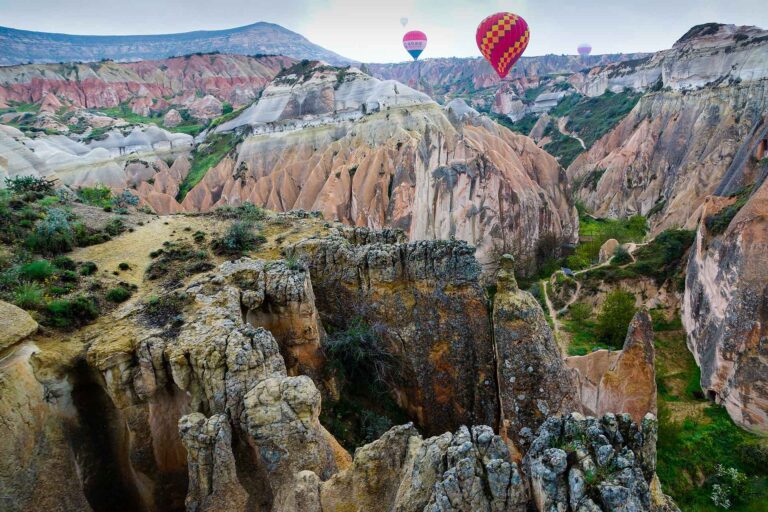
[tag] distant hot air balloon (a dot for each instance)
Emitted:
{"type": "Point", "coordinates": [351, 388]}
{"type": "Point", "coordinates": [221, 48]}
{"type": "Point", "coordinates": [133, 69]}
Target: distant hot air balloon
{"type": "Point", "coordinates": [414, 42]}
{"type": "Point", "coordinates": [502, 39]}
{"type": "Point", "coordinates": [403, 22]}
{"type": "Point", "coordinates": [584, 49]}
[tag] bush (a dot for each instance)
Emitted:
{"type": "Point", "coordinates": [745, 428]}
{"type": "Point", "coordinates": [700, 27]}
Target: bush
{"type": "Point", "coordinates": [580, 312]}
{"type": "Point", "coordinates": [114, 227]}
{"type": "Point", "coordinates": [88, 268]}
{"type": "Point", "coordinates": [64, 263]}
{"type": "Point", "coordinates": [124, 266]}
{"type": "Point", "coordinates": [38, 270]}
{"type": "Point", "coordinates": [124, 200]}
{"type": "Point", "coordinates": [614, 318]}
{"type": "Point", "coordinates": [118, 294]}
{"type": "Point", "coordinates": [238, 239]}
{"type": "Point", "coordinates": [68, 276]}
{"type": "Point", "coordinates": [621, 256]}
{"type": "Point", "coordinates": [67, 314]}
{"type": "Point", "coordinates": [28, 296]}
{"type": "Point", "coordinates": [99, 195]}
{"type": "Point", "coordinates": [25, 184]}
{"type": "Point", "coordinates": [52, 235]}
{"type": "Point", "coordinates": [359, 353]}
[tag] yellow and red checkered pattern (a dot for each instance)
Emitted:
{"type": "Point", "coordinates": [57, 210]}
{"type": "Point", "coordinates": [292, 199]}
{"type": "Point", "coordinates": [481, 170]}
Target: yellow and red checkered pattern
{"type": "Point", "coordinates": [502, 38]}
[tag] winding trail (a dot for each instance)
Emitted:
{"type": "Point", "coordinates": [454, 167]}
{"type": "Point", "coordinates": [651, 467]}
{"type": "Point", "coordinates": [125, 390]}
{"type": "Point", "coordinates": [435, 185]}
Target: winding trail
{"type": "Point", "coordinates": [553, 314]}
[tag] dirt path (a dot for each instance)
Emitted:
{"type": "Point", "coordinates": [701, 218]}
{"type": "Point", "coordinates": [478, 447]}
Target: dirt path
{"type": "Point", "coordinates": [561, 122]}
{"type": "Point", "coordinates": [562, 343]}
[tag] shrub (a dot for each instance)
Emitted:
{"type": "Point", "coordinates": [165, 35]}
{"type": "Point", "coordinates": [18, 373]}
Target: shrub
{"type": "Point", "coordinates": [38, 270]}
{"type": "Point", "coordinates": [294, 264]}
{"type": "Point", "coordinates": [237, 240]}
{"type": "Point", "coordinates": [124, 266]}
{"type": "Point", "coordinates": [24, 184]}
{"type": "Point", "coordinates": [118, 294]}
{"type": "Point", "coordinates": [68, 276]}
{"type": "Point", "coordinates": [621, 256]}
{"type": "Point", "coordinates": [114, 227]}
{"type": "Point", "coordinates": [359, 353]}
{"type": "Point", "coordinates": [64, 263]}
{"type": "Point", "coordinates": [99, 195]}
{"type": "Point", "coordinates": [124, 200]}
{"type": "Point", "coordinates": [52, 235]}
{"type": "Point", "coordinates": [67, 314]}
{"type": "Point", "coordinates": [28, 296]}
{"type": "Point", "coordinates": [88, 268]}
{"type": "Point", "coordinates": [615, 316]}
{"type": "Point", "coordinates": [580, 312]}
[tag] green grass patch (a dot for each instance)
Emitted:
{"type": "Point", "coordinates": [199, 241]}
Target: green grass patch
{"type": "Point", "coordinates": [522, 126]}
{"type": "Point", "coordinates": [719, 222]}
{"type": "Point", "coordinates": [204, 157]}
{"type": "Point", "coordinates": [562, 147]}
{"type": "Point", "coordinates": [591, 118]}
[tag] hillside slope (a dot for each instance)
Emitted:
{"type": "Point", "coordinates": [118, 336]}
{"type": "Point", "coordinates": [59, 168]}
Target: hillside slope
{"type": "Point", "coordinates": [22, 46]}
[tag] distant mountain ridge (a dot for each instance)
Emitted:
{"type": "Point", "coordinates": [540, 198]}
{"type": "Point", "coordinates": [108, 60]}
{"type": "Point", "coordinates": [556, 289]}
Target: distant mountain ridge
{"type": "Point", "coordinates": [22, 46]}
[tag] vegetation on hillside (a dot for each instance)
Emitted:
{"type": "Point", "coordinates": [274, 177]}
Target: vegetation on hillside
{"type": "Point", "coordinates": [362, 366]}
{"type": "Point", "coordinates": [204, 157]}
{"type": "Point", "coordinates": [591, 118]}
{"type": "Point", "coordinates": [37, 228]}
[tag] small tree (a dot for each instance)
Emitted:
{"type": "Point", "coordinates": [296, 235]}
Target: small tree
{"type": "Point", "coordinates": [580, 312]}
{"type": "Point", "coordinates": [615, 316]}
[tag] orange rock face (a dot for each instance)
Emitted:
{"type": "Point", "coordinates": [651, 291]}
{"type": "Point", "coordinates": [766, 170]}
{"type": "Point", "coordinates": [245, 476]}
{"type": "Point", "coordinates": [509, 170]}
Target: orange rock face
{"type": "Point", "coordinates": [623, 381]}
{"type": "Point", "coordinates": [416, 168]}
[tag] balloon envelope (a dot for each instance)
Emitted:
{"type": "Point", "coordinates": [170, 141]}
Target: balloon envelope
{"type": "Point", "coordinates": [502, 38]}
{"type": "Point", "coordinates": [403, 21]}
{"type": "Point", "coordinates": [584, 49]}
{"type": "Point", "coordinates": [414, 42]}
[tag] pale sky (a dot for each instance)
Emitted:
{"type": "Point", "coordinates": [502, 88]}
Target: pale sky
{"type": "Point", "coordinates": [370, 31]}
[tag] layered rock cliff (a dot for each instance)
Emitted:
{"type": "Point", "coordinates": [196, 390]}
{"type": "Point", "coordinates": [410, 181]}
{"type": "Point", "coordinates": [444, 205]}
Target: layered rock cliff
{"type": "Point", "coordinates": [379, 154]}
{"type": "Point", "coordinates": [724, 310]}
{"type": "Point", "coordinates": [686, 140]}
{"type": "Point", "coordinates": [147, 86]}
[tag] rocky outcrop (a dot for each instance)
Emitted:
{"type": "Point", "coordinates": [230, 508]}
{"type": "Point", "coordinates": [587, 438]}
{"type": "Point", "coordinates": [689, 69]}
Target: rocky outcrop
{"type": "Point", "coordinates": [709, 54]}
{"type": "Point", "coordinates": [15, 325]}
{"type": "Point", "coordinates": [425, 301]}
{"type": "Point", "coordinates": [607, 463]}
{"type": "Point", "coordinates": [534, 383]}
{"type": "Point", "coordinates": [469, 470]}
{"type": "Point", "coordinates": [725, 309]}
{"type": "Point", "coordinates": [712, 93]}
{"type": "Point", "coordinates": [255, 39]}
{"type": "Point", "coordinates": [213, 483]}
{"type": "Point", "coordinates": [620, 381]}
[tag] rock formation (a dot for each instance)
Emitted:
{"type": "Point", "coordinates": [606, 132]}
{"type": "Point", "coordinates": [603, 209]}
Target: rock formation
{"type": "Point", "coordinates": [534, 382]}
{"type": "Point", "coordinates": [445, 375]}
{"type": "Point", "coordinates": [146, 85]}
{"type": "Point", "coordinates": [724, 309]}
{"type": "Point", "coordinates": [379, 154]}
{"type": "Point", "coordinates": [712, 93]}
{"type": "Point", "coordinates": [569, 452]}
{"type": "Point", "coordinates": [620, 381]}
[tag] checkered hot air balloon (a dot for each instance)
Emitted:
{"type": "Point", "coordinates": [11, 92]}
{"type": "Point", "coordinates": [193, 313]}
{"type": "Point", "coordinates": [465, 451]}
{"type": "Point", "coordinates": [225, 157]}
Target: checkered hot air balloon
{"type": "Point", "coordinates": [414, 42]}
{"type": "Point", "coordinates": [502, 39]}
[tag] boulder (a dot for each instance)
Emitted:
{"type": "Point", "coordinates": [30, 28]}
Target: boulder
{"type": "Point", "coordinates": [172, 118]}
{"type": "Point", "coordinates": [15, 325]}
{"type": "Point", "coordinates": [608, 249]}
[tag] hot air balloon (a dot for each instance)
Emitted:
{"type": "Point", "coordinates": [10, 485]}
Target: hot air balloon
{"type": "Point", "coordinates": [584, 49]}
{"type": "Point", "coordinates": [502, 39]}
{"type": "Point", "coordinates": [414, 42]}
{"type": "Point", "coordinates": [403, 22]}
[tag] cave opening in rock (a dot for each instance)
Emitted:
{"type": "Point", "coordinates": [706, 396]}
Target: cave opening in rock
{"type": "Point", "coordinates": [100, 443]}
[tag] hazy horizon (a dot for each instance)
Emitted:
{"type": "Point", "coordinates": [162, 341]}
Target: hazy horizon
{"type": "Point", "coordinates": [371, 32]}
